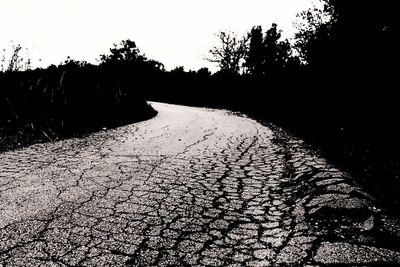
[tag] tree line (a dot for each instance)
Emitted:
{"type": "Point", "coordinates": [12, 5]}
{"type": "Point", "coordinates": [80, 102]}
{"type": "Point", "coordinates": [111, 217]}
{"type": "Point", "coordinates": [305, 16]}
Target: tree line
{"type": "Point", "coordinates": [255, 54]}
{"type": "Point", "coordinates": [72, 98]}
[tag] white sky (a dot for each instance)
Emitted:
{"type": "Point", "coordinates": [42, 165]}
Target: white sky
{"type": "Point", "coordinates": [175, 32]}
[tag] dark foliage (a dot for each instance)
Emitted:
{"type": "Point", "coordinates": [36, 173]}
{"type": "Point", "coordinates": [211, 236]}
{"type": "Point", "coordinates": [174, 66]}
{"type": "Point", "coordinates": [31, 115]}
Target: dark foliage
{"type": "Point", "coordinates": [73, 98]}
{"type": "Point", "coordinates": [230, 54]}
{"type": "Point", "coordinates": [352, 81]}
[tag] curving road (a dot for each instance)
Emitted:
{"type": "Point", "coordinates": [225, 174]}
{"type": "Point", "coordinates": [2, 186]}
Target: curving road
{"type": "Point", "coordinates": [189, 187]}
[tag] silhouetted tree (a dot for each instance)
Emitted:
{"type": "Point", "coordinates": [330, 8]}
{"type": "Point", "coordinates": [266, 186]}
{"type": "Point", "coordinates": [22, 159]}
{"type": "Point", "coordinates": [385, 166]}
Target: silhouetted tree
{"type": "Point", "coordinates": [179, 69]}
{"type": "Point", "coordinates": [276, 52]}
{"type": "Point", "coordinates": [352, 44]}
{"type": "Point", "coordinates": [230, 53]}
{"type": "Point", "coordinates": [255, 57]}
{"type": "Point", "coordinates": [267, 55]}
{"type": "Point", "coordinates": [127, 51]}
{"type": "Point", "coordinates": [204, 73]}
{"type": "Point", "coordinates": [313, 31]}
{"type": "Point", "coordinates": [345, 36]}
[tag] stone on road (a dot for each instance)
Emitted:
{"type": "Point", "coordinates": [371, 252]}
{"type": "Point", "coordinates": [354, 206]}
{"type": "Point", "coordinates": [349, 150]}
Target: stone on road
{"type": "Point", "coordinates": [191, 186]}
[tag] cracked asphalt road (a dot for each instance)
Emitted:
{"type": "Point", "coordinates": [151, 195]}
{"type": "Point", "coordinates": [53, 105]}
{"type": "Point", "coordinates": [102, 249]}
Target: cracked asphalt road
{"type": "Point", "coordinates": [191, 186]}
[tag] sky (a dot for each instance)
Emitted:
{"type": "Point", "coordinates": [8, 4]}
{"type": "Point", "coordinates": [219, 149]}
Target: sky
{"type": "Point", "coordinates": [174, 32]}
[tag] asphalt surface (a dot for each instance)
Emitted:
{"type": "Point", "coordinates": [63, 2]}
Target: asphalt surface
{"type": "Point", "coordinates": [190, 187]}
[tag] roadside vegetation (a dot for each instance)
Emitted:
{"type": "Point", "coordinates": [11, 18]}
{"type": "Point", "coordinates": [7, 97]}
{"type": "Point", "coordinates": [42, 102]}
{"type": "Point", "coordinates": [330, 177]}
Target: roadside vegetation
{"type": "Point", "coordinates": [72, 98]}
{"type": "Point", "coordinates": [334, 85]}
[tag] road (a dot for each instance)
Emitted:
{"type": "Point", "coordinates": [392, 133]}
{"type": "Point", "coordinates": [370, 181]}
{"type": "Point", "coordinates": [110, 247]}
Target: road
{"type": "Point", "coordinates": [193, 187]}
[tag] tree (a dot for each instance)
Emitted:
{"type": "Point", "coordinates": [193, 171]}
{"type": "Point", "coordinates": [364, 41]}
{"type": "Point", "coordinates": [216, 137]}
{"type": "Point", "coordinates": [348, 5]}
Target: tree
{"type": "Point", "coordinates": [256, 54]}
{"type": "Point", "coordinates": [178, 69]}
{"type": "Point", "coordinates": [350, 48]}
{"type": "Point", "coordinates": [276, 52]}
{"type": "Point", "coordinates": [358, 33]}
{"type": "Point", "coordinates": [313, 27]}
{"type": "Point", "coordinates": [126, 52]}
{"type": "Point", "coordinates": [230, 54]}
{"type": "Point", "coordinates": [267, 55]}
{"type": "Point", "coordinates": [204, 73]}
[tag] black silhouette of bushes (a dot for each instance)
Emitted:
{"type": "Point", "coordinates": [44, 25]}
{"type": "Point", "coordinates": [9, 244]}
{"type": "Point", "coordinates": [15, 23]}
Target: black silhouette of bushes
{"type": "Point", "coordinates": [70, 99]}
